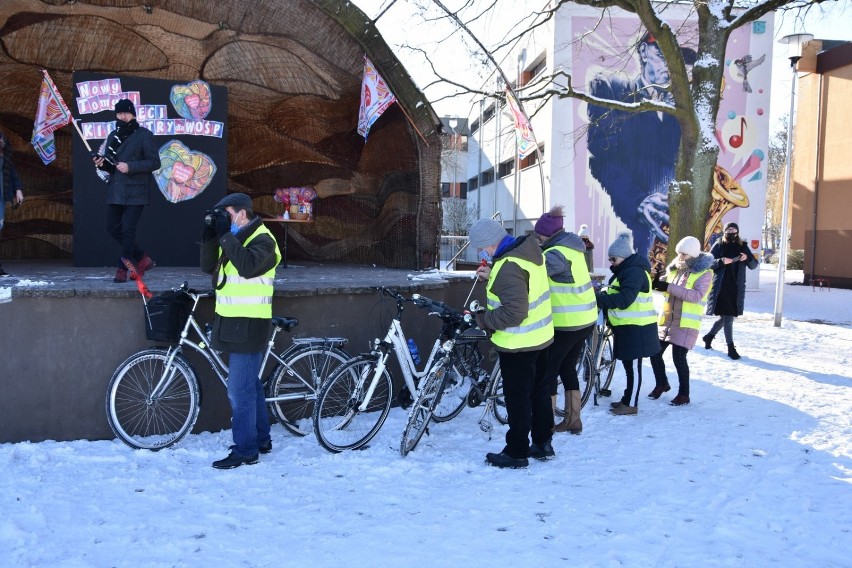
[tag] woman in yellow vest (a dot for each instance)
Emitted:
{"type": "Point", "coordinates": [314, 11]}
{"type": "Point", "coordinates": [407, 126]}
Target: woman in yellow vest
{"type": "Point", "coordinates": [686, 287]}
{"type": "Point", "coordinates": [521, 325]}
{"type": "Point", "coordinates": [631, 314]}
{"type": "Point", "coordinates": [241, 254]}
{"type": "Point", "coordinates": [575, 311]}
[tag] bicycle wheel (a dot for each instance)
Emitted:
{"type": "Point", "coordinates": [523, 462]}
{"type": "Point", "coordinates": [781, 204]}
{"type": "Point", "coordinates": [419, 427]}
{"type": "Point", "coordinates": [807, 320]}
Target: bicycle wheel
{"type": "Point", "coordinates": [499, 404]}
{"type": "Point", "coordinates": [338, 424]}
{"type": "Point", "coordinates": [294, 385]}
{"type": "Point", "coordinates": [145, 421]}
{"type": "Point", "coordinates": [453, 397]}
{"type": "Point", "coordinates": [421, 410]}
{"type": "Point", "coordinates": [606, 366]}
{"type": "Point", "coordinates": [586, 374]}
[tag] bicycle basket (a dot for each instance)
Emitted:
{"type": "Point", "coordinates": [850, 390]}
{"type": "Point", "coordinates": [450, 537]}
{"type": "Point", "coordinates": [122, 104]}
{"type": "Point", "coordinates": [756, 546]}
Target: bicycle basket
{"type": "Point", "coordinates": [165, 316]}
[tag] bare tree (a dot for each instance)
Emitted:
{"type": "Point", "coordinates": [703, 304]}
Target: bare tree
{"type": "Point", "coordinates": [457, 216]}
{"type": "Point", "coordinates": [695, 96]}
{"type": "Point", "coordinates": [775, 171]}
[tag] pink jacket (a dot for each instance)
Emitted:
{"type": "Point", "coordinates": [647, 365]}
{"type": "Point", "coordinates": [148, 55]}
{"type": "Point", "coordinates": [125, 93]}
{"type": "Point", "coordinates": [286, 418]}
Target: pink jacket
{"type": "Point", "coordinates": [669, 327]}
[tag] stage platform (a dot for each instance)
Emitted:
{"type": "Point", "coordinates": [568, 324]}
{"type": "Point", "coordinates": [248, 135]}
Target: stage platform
{"type": "Point", "coordinates": [65, 329]}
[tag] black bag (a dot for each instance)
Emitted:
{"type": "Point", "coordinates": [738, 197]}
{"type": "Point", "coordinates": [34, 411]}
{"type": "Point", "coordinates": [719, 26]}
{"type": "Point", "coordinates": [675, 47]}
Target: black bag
{"type": "Point", "coordinates": [165, 316]}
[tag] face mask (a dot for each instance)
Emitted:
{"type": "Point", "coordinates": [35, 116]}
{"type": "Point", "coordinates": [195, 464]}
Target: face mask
{"type": "Point", "coordinates": [483, 255]}
{"type": "Point", "coordinates": [235, 228]}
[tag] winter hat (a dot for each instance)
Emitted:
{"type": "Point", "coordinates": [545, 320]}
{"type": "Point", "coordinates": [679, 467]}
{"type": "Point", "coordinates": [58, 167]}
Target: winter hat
{"type": "Point", "coordinates": [237, 201]}
{"type": "Point", "coordinates": [584, 231]}
{"type": "Point", "coordinates": [689, 246]}
{"type": "Point", "coordinates": [732, 225]}
{"type": "Point", "coordinates": [550, 222]}
{"type": "Point", "coordinates": [125, 105]}
{"type": "Point", "coordinates": [622, 246]}
{"type": "Point", "coordinates": [486, 232]}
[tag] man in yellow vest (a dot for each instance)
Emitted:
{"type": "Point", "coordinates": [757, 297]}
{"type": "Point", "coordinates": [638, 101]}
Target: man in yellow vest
{"type": "Point", "coordinates": [520, 321]}
{"type": "Point", "coordinates": [686, 288]}
{"type": "Point", "coordinates": [575, 311]}
{"type": "Point", "coordinates": [241, 254]}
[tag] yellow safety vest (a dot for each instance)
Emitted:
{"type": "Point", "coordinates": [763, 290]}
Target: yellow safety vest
{"type": "Point", "coordinates": [690, 312]}
{"type": "Point", "coordinates": [640, 312]}
{"type": "Point", "coordinates": [574, 304]}
{"type": "Point", "coordinates": [247, 297]}
{"type": "Point", "coordinates": [537, 328]}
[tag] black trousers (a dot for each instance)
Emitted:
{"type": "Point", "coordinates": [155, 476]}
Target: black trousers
{"type": "Point", "coordinates": [562, 357]}
{"type": "Point", "coordinates": [628, 372]}
{"type": "Point", "coordinates": [527, 400]}
{"type": "Point", "coordinates": [121, 225]}
{"type": "Point", "coordinates": [679, 357]}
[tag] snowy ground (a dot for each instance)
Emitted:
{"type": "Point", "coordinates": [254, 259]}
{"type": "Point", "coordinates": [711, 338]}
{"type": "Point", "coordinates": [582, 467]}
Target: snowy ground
{"type": "Point", "coordinates": [755, 472]}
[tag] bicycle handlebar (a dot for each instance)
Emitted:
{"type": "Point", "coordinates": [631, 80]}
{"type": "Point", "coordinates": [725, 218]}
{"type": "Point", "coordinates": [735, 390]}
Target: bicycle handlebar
{"type": "Point", "coordinates": [440, 309]}
{"type": "Point", "coordinates": [200, 293]}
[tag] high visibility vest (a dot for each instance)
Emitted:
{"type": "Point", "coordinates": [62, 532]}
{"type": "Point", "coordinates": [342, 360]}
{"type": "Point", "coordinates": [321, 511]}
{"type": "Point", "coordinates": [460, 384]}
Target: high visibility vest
{"type": "Point", "coordinates": [537, 328]}
{"type": "Point", "coordinates": [246, 297]}
{"type": "Point", "coordinates": [690, 312]}
{"type": "Point", "coordinates": [574, 304]}
{"type": "Point", "coordinates": [640, 312]}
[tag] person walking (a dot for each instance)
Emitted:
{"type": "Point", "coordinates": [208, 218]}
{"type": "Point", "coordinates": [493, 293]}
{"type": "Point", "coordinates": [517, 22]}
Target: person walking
{"type": "Point", "coordinates": [10, 185]}
{"type": "Point", "coordinates": [241, 254]}
{"type": "Point", "coordinates": [574, 311]}
{"type": "Point", "coordinates": [520, 321]}
{"type": "Point", "coordinates": [126, 160]}
{"type": "Point", "coordinates": [685, 287]}
{"type": "Point", "coordinates": [631, 314]}
{"type": "Point", "coordinates": [727, 295]}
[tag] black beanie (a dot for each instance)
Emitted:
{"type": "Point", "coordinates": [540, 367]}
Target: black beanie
{"type": "Point", "coordinates": [125, 105]}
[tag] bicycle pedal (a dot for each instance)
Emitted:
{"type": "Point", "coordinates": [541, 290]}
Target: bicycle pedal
{"type": "Point", "coordinates": [486, 426]}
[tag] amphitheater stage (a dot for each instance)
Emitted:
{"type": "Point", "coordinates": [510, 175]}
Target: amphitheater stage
{"type": "Point", "coordinates": [65, 329]}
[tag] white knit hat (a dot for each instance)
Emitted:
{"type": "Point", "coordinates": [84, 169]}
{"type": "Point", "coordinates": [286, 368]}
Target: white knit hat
{"type": "Point", "coordinates": [690, 246]}
{"type": "Point", "coordinates": [584, 231]}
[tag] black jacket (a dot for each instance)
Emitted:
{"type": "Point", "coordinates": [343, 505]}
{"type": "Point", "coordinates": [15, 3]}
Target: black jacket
{"type": "Point", "coordinates": [631, 341]}
{"type": "Point", "coordinates": [732, 288]}
{"type": "Point", "coordinates": [11, 183]}
{"type": "Point", "coordinates": [240, 335]}
{"type": "Point", "coordinates": [140, 153]}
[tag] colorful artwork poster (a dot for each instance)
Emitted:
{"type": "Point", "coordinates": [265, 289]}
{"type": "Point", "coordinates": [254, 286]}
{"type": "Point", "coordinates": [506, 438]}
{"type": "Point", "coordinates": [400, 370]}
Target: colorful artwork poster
{"type": "Point", "coordinates": [625, 161]}
{"type": "Point", "coordinates": [189, 124]}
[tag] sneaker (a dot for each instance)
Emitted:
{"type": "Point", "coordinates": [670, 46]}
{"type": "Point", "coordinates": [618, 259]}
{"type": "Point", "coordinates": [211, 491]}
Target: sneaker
{"type": "Point", "coordinates": [145, 264]}
{"type": "Point", "coordinates": [234, 460]}
{"type": "Point", "coordinates": [505, 460]}
{"type": "Point", "coordinates": [263, 448]}
{"type": "Point", "coordinates": [541, 451]}
{"type": "Point", "coordinates": [120, 276]}
{"type": "Point", "coordinates": [625, 410]}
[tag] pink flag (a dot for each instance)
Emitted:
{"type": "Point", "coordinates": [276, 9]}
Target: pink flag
{"type": "Point", "coordinates": [523, 130]}
{"type": "Point", "coordinates": [52, 114]}
{"type": "Point", "coordinates": [375, 98]}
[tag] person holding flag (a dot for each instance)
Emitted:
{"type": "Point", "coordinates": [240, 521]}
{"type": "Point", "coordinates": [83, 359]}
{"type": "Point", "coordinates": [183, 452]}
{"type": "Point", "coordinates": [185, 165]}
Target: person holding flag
{"type": "Point", "coordinates": [10, 184]}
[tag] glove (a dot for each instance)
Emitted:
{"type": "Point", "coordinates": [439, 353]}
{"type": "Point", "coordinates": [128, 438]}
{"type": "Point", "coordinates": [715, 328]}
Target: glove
{"type": "Point", "coordinates": [207, 233]}
{"type": "Point", "coordinates": [222, 225]}
{"type": "Point", "coordinates": [660, 285]}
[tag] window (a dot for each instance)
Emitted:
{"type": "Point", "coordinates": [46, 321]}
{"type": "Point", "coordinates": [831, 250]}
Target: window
{"type": "Point", "coordinates": [488, 114]}
{"type": "Point", "coordinates": [538, 67]}
{"type": "Point", "coordinates": [506, 168]}
{"type": "Point", "coordinates": [473, 183]}
{"type": "Point", "coordinates": [445, 189]}
{"type": "Point", "coordinates": [487, 177]}
{"type": "Point", "coordinates": [532, 159]}
{"type": "Point", "coordinates": [463, 190]}
{"type": "Point", "coordinates": [474, 126]}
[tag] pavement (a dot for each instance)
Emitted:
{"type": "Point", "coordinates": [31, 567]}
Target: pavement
{"type": "Point", "coordinates": [59, 279]}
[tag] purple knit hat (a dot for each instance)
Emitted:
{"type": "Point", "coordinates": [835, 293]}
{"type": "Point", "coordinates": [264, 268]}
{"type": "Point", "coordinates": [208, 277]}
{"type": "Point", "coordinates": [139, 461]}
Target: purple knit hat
{"type": "Point", "coordinates": [550, 223]}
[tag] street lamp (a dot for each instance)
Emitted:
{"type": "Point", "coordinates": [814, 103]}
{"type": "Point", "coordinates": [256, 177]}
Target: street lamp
{"type": "Point", "coordinates": [454, 123]}
{"type": "Point", "coordinates": [794, 42]}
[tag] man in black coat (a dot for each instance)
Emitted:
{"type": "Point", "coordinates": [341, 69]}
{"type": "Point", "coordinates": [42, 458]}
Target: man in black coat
{"type": "Point", "coordinates": [126, 160]}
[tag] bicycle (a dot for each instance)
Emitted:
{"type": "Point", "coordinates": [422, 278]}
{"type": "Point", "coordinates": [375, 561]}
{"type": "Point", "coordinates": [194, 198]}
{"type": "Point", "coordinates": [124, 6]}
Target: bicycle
{"type": "Point", "coordinates": [154, 396]}
{"type": "Point", "coordinates": [354, 402]}
{"type": "Point", "coordinates": [595, 369]}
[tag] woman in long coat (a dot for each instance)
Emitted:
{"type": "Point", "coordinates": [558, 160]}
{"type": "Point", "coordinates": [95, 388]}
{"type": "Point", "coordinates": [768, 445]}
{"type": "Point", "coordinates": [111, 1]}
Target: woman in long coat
{"type": "Point", "coordinates": [727, 296]}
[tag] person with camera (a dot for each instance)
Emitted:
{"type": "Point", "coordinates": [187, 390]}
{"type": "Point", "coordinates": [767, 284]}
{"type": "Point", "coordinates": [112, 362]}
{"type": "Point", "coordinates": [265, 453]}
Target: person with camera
{"type": "Point", "coordinates": [241, 254]}
{"type": "Point", "coordinates": [125, 161]}
{"type": "Point", "coordinates": [10, 184]}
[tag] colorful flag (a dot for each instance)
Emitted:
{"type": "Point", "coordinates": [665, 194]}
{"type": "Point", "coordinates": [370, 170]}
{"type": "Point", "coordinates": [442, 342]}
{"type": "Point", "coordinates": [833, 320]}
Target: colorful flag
{"type": "Point", "coordinates": [51, 115]}
{"type": "Point", "coordinates": [523, 130]}
{"type": "Point", "coordinates": [376, 97]}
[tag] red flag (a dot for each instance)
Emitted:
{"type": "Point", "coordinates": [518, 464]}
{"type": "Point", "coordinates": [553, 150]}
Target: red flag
{"type": "Point", "coordinates": [376, 97]}
{"type": "Point", "coordinates": [52, 114]}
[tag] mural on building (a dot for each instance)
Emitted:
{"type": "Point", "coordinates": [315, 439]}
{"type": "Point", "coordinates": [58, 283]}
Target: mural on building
{"type": "Point", "coordinates": [628, 161]}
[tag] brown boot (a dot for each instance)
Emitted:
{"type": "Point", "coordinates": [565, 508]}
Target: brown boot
{"type": "Point", "coordinates": [572, 422]}
{"type": "Point", "coordinates": [563, 426]}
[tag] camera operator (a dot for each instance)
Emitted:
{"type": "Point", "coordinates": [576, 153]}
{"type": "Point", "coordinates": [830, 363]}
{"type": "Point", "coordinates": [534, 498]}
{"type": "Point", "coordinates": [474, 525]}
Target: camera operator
{"type": "Point", "coordinates": [241, 254]}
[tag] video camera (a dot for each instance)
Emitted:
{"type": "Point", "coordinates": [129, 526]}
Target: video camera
{"type": "Point", "coordinates": [211, 216]}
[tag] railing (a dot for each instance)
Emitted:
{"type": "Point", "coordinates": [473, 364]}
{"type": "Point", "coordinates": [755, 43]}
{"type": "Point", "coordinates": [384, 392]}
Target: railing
{"type": "Point", "coordinates": [457, 248]}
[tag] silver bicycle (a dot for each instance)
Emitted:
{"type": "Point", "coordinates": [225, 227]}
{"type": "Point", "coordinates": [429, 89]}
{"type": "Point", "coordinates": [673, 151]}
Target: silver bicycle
{"type": "Point", "coordinates": [154, 396]}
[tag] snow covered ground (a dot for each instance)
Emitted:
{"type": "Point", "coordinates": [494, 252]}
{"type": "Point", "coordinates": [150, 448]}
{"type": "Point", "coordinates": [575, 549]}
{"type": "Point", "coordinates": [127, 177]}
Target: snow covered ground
{"type": "Point", "coordinates": [755, 472]}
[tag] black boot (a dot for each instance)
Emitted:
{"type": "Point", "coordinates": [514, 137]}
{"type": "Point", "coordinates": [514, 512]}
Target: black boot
{"type": "Point", "coordinates": [732, 351]}
{"type": "Point", "coordinates": [708, 339]}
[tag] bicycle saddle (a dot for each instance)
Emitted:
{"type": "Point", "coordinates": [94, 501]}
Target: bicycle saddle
{"type": "Point", "coordinates": [285, 323]}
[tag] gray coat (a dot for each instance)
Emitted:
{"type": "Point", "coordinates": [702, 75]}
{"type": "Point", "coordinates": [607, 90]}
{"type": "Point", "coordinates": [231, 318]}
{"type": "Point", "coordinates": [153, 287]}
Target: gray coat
{"type": "Point", "coordinates": [669, 327]}
{"type": "Point", "coordinates": [140, 153]}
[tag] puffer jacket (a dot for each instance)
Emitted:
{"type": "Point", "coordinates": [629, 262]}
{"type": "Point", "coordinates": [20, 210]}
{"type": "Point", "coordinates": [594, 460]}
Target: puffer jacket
{"type": "Point", "coordinates": [669, 329]}
{"type": "Point", "coordinates": [631, 341]}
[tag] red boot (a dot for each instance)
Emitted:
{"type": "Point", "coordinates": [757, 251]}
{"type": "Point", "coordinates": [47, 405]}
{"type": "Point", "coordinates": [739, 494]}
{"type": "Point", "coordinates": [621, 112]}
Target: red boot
{"type": "Point", "coordinates": [145, 264]}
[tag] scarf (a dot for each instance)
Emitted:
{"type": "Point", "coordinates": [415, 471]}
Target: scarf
{"type": "Point", "coordinates": [109, 151]}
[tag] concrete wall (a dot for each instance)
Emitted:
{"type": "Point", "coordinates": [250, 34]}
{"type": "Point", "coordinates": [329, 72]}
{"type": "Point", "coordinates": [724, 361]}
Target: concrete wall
{"type": "Point", "coordinates": [59, 353]}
